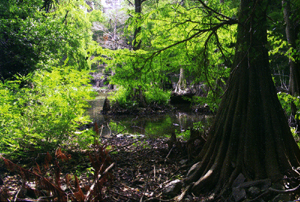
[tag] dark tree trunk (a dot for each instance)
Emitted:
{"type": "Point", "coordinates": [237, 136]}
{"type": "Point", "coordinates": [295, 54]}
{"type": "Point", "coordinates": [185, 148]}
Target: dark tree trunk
{"type": "Point", "coordinates": [291, 35]}
{"type": "Point", "coordinates": [136, 46]}
{"type": "Point", "coordinates": [138, 10]}
{"type": "Point", "coordinates": [141, 98]}
{"type": "Point", "coordinates": [250, 134]}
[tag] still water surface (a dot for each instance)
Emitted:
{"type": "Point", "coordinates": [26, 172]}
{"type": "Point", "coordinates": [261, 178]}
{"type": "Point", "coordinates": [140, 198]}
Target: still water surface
{"type": "Point", "coordinates": [151, 126]}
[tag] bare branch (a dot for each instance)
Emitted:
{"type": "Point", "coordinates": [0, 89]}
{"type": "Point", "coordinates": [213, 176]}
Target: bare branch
{"type": "Point", "coordinates": [130, 4]}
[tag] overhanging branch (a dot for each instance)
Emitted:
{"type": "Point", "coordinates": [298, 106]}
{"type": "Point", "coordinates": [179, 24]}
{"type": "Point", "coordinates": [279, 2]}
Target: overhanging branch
{"type": "Point", "coordinates": [199, 32]}
{"type": "Point", "coordinates": [214, 11]}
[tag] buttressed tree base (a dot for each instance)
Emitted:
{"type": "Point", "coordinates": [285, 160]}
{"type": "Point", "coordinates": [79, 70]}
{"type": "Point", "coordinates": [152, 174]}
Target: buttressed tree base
{"type": "Point", "coordinates": [250, 135]}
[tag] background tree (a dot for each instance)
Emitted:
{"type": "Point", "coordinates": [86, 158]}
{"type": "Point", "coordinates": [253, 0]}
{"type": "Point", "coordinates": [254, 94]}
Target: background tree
{"type": "Point", "coordinates": [44, 68]}
{"type": "Point", "coordinates": [250, 135]}
{"type": "Point", "coordinates": [138, 11]}
{"type": "Point", "coordinates": [16, 52]}
{"type": "Point", "coordinates": [292, 28]}
{"type": "Point", "coordinates": [33, 38]}
{"type": "Point", "coordinates": [174, 37]}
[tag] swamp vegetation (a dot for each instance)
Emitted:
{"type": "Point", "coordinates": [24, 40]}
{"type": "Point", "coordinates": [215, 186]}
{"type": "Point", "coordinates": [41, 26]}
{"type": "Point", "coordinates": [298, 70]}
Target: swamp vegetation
{"type": "Point", "coordinates": [149, 100]}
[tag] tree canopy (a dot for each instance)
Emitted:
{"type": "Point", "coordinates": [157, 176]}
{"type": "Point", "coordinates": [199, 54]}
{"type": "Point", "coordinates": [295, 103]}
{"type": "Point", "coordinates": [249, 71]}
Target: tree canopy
{"type": "Point", "coordinates": [45, 59]}
{"type": "Point", "coordinates": [39, 34]}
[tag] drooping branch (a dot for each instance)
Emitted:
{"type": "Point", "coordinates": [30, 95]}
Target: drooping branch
{"type": "Point", "coordinates": [198, 33]}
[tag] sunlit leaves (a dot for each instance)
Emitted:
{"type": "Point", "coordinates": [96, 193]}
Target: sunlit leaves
{"type": "Point", "coordinates": [176, 36]}
{"type": "Point", "coordinates": [286, 100]}
{"type": "Point", "coordinates": [36, 38]}
{"type": "Point", "coordinates": [48, 110]}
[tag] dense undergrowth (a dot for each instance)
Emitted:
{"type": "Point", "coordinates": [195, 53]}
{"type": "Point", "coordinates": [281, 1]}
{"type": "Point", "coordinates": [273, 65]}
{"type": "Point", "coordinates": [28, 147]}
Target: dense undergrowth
{"type": "Point", "coordinates": [43, 111]}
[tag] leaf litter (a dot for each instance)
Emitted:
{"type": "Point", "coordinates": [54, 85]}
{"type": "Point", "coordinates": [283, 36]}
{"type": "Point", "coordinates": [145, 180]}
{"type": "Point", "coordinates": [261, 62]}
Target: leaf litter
{"type": "Point", "coordinates": [134, 169]}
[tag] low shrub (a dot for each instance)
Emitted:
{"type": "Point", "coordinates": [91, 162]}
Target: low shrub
{"type": "Point", "coordinates": [44, 109]}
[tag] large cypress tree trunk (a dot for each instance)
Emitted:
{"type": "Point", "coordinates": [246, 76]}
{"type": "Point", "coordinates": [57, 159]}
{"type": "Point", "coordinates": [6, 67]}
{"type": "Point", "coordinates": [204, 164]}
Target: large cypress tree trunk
{"type": "Point", "coordinates": [250, 134]}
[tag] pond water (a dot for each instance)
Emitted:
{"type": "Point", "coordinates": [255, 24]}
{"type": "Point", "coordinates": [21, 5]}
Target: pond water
{"type": "Point", "coordinates": [151, 126]}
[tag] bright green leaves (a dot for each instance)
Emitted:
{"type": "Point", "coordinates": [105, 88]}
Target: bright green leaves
{"type": "Point", "coordinates": [50, 109]}
{"type": "Point", "coordinates": [52, 46]}
{"type": "Point", "coordinates": [177, 36]}
{"type": "Point", "coordinates": [34, 38]}
{"type": "Point", "coordinates": [286, 100]}
{"type": "Point", "coordinates": [134, 72]}
{"type": "Point", "coordinates": [73, 24]}
{"type": "Point", "coordinates": [96, 16]}
{"type": "Point", "coordinates": [278, 44]}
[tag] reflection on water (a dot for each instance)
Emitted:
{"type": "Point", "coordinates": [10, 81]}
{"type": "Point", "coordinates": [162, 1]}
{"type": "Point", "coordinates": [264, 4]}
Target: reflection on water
{"type": "Point", "coordinates": [96, 107]}
{"type": "Point", "coordinates": [157, 125]}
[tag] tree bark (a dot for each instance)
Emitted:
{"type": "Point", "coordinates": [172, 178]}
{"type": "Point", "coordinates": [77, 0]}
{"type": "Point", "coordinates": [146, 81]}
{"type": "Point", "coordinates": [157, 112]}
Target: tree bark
{"type": "Point", "coordinates": [136, 46]}
{"type": "Point", "coordinates": [181, 84]}
{"type": "Point", "coordinates": [291, 35]}
{"type": "Point", "coordinates": [250, 134]}
{"type": "Point", "coordinates": [138, 10]}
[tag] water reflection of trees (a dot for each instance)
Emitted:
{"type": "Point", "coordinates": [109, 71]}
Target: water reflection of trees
{"type": "Point", "coordinates": [152, 126]}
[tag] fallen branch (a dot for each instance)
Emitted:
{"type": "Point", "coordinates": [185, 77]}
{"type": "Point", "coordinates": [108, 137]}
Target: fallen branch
{"type": "Point", "coordinates": [87, 198]}
{"type": "Point", "coordinates": [168, 154]}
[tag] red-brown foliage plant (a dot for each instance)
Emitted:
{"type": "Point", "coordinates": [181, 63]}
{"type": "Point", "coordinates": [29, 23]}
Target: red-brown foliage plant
{"type": "Point", "coordinates": [51, 186]}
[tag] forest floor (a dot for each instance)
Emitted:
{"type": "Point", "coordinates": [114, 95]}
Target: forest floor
{"type": "Point", "coordinates": [138, 169]}
{"type": "Point", "coordinates": [142, 168]}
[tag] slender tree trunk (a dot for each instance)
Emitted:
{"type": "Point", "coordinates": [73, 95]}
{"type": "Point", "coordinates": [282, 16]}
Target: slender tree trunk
{"type": "Point", "coordinates": [181, 84]}
{"type": "Point", "coordinates": [138, 10]}
{"type": "Point", "coordinates": [250, 135]}
{"type": "Point", "coordinates": [141, 99]}
{"type": "Point", "coordinates": [291, 38]}
{"type": "Point", "coordinates": [136, 46]}
{"type": "Point", "coordinates": [291, 35]}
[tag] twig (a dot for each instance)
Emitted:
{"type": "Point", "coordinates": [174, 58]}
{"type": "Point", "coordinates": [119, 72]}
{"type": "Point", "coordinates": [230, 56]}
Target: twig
{"type": "Point", "coordinates": [296, 171]}
{"type": "Point", "coordinates": [274, 190]}
{"type": "Point", "coordinates": [87, 198]}
{"type": "Point", "coordinates": [141, 199]}
{"type": "Point", "coordinates": [145, 188]}
{"type": "Point", "coordinates": [169, 153]}
{"type": "Point", "coordinates": [214, 11]}
{"type": "Point", "coordinates": [154, 171]}
{"type": "Point", "coordinates": [181, 196]}
{"type": "Point", "coordinates": [158, 199]}
{"type": "Point", "coordinates": [100, 135]}
{"type": "Point", "coordinates": [285, 190]}
{"type": "Point", "coordinates": [109, 129]}
{"type": "Point", "coordinates": [17, 193]}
